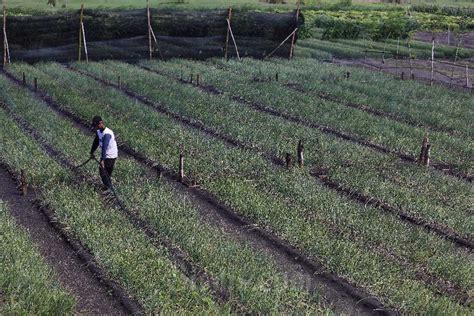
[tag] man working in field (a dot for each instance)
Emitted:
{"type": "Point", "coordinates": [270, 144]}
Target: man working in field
{"type": "Point", "coordinates": [105, 138]}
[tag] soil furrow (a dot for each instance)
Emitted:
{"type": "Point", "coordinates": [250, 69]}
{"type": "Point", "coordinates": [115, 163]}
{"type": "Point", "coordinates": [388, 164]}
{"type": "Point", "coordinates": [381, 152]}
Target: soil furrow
{"type": "Point", "coordinates": [185, 121]}
{"type": "Point", "coordinates": [441, 286]}
{"type": "Point", "coordinates": [340, 294]}
{"type": "Point", "coordinates": [74, 265]}
{"type": "Point", "coordinates": [181, 260]}
{"type": "Point", "coordinates": [442, 231]}
{"type": "Point", "coordinates": [443, 167]}
{"type": "Point", "coordinates": [368, 109]}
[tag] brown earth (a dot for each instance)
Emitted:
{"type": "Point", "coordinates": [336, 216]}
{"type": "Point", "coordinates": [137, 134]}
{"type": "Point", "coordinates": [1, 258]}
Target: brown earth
{"type": "Point", "coordinates": [72, 273]}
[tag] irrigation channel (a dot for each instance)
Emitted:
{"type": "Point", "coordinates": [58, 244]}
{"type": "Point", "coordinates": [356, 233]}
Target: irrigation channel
{"type": "Point", "coordinates": [319, 173]}
{"type": "Point", "coordinates": [73, 263]}
{"type": "Point", "coordinates": [442, 286]}
{"type": "Point", "coordinates": [341, 295]}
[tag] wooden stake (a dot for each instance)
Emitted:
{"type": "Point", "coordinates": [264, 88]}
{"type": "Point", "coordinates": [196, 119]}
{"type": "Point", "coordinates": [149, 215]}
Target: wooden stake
{"type": "Point", "coordinates": [467, 76]}
{"type": "Point", "coordinates": [293, 39]}
{"type": "Point", "coordinates": [424, 144]}
{"type": "Point", "coordinates": [288, 160]}
{"type": "Point", "coordinates": [300, 153]}
{"type": "Point", "coordinates": [23, 182]}
{"type": "Point", "coordinates": [229, 17]}
{"type": "Point", "coordinates": [411, 60]}
{"type": "Point", "coordinates": [5, 41]}
{"type": "Point", "coordinates": [454, 64]}
{"type": "Point", "coordinates": [432, 61]}
{"type": "Point", "coordinates": [276, 76]}
{"type": "Point", "coordinates": [81, 18]}
{"type": "Point", "coordinates": [426, 158]}
{"type": "Point", "coordinates": [181, 168]}
{"type": "Point", "coordinates": [191, 78]}
{"type": "Point", "coordinates": [24, 78]}
{"type": "Point", "coordinates": [85, 42]}
{"type": "Point", "coordinates": [412, 76]}
{"type": "Point", "coordinates": [197, 79]}
{"type": "Point", "coordinates": [149, 28]}
{"type": "Point", "coordinates": [36, 84]}
{"type": "Point", "coordinates": [402, 76]}
{"type": "Point", "coordinates": [233, 39]}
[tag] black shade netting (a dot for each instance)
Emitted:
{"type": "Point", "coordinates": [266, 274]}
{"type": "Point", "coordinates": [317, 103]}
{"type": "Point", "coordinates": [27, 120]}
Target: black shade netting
{"type": "Point", "coordinates": [124, 34]}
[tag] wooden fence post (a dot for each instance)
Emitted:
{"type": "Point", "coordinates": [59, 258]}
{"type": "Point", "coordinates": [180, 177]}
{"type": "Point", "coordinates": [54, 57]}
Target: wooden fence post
{"type": "Point", "coordinates": [23, 182]}
{"type": "Point", "coordinates": [467, 76]}
{"type": "Point", "coordinates": [276, 77]}
{"type": "Point", "coordinates": [81, 18]}
{"type": "Point", "coordinates": [411, 61]}
{"type": "Point", "coordinates": [300, 153]}
{"type": "Point", "coordinates": [226, 49]}
{"type": "Point", "coordinates": [191, 80]}
{"type": "Point", "coordinates": [288, 160]}
{"type": "Point", "coordinates": [402, 76]}
{"type": "Point", "coordinates": [181, 168]}
{"type": "Point", "coordinates": [149, 28]}
{"type": "Point", "coordinates": [4, 38]}
{"type": "Point", "coordinates": [24, 78]}
{"type": "Point", "coordinates": [424, 144]}
{"type": "Point", "coordinates": [197, 79]}
{"type": "Point", "coordinates": [432, 61]}
{"type": "Point", "coordinates": [454, 64]}
{"type": "Point", "coordinates": [293, 39]}
{"type": "Point", "coordinates": [6, 48]}
{"type": "Point", "coordinates": [36, 84]}
{"type": "Point", "coordinates": [426, 158]}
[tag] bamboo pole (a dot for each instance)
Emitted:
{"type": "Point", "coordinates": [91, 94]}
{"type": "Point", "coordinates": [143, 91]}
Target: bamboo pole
{"type": "Point", "coordinates": [454, 64]}
{"type": "Point", "coordinates": [410, 59]}
{"type": "Point", "coordinates": [81, 18]}
{"type": "Point", "coordinates": [229, 17]}
{"type": "Point", "coordinates": [293, 39]}
{"type": "Point", "coordinates": [149, 28]}
{"type": "Point", "coordinates": [432, 61]}
{"type": "Point", "coordinates": [181, 168]}
{"type": "Point", "coordinates": [85, 42]}
{"type": "Point", "coordinates": [467, 76]}
{"type": "Point", "coordinates": [233, 39]}
{"type": "Point", "coordinates": [281, 44]}
{"type": "Point", "coordinates": [5, 45]}
{"type": "Point", "coordinates": [300, 153]}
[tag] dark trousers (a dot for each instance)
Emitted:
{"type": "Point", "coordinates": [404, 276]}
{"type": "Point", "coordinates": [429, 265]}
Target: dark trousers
{"type": "Point", "coordinates": [106, 174]}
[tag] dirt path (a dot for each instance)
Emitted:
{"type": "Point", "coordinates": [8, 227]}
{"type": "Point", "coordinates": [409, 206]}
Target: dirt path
{"type": "Point", "coordinates": [91, 296]}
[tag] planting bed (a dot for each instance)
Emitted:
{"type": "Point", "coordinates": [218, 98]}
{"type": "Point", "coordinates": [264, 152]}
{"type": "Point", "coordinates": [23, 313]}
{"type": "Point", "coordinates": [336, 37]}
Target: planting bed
{"type": "Point", "coordinates": [360, 228]}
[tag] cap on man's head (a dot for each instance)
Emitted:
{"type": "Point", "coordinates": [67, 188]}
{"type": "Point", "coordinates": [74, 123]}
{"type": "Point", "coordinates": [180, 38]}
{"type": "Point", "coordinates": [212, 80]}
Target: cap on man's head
{"type": "Point", "coordinates": [96, 120]}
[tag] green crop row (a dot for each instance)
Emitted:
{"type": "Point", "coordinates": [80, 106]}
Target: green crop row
{"type": "Point", "coordinates": [127, 255]}
{"type": "Point", "coordinates": [411, 187]}
{"type": "Point", "coordinates": [381, 24]}
{"type": "Point", "coordinates": [247, 183]}
{"type": "Point", "coordinates": [252, 278]}
{"type": "Point", "coordinates": [360, 48]}
{"type": "Point", "coordinates": [28, 285]}
{"type": "Point", "coordinates": [439, 107]}
{"type": "Point", "coordinates": [394, 135]}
